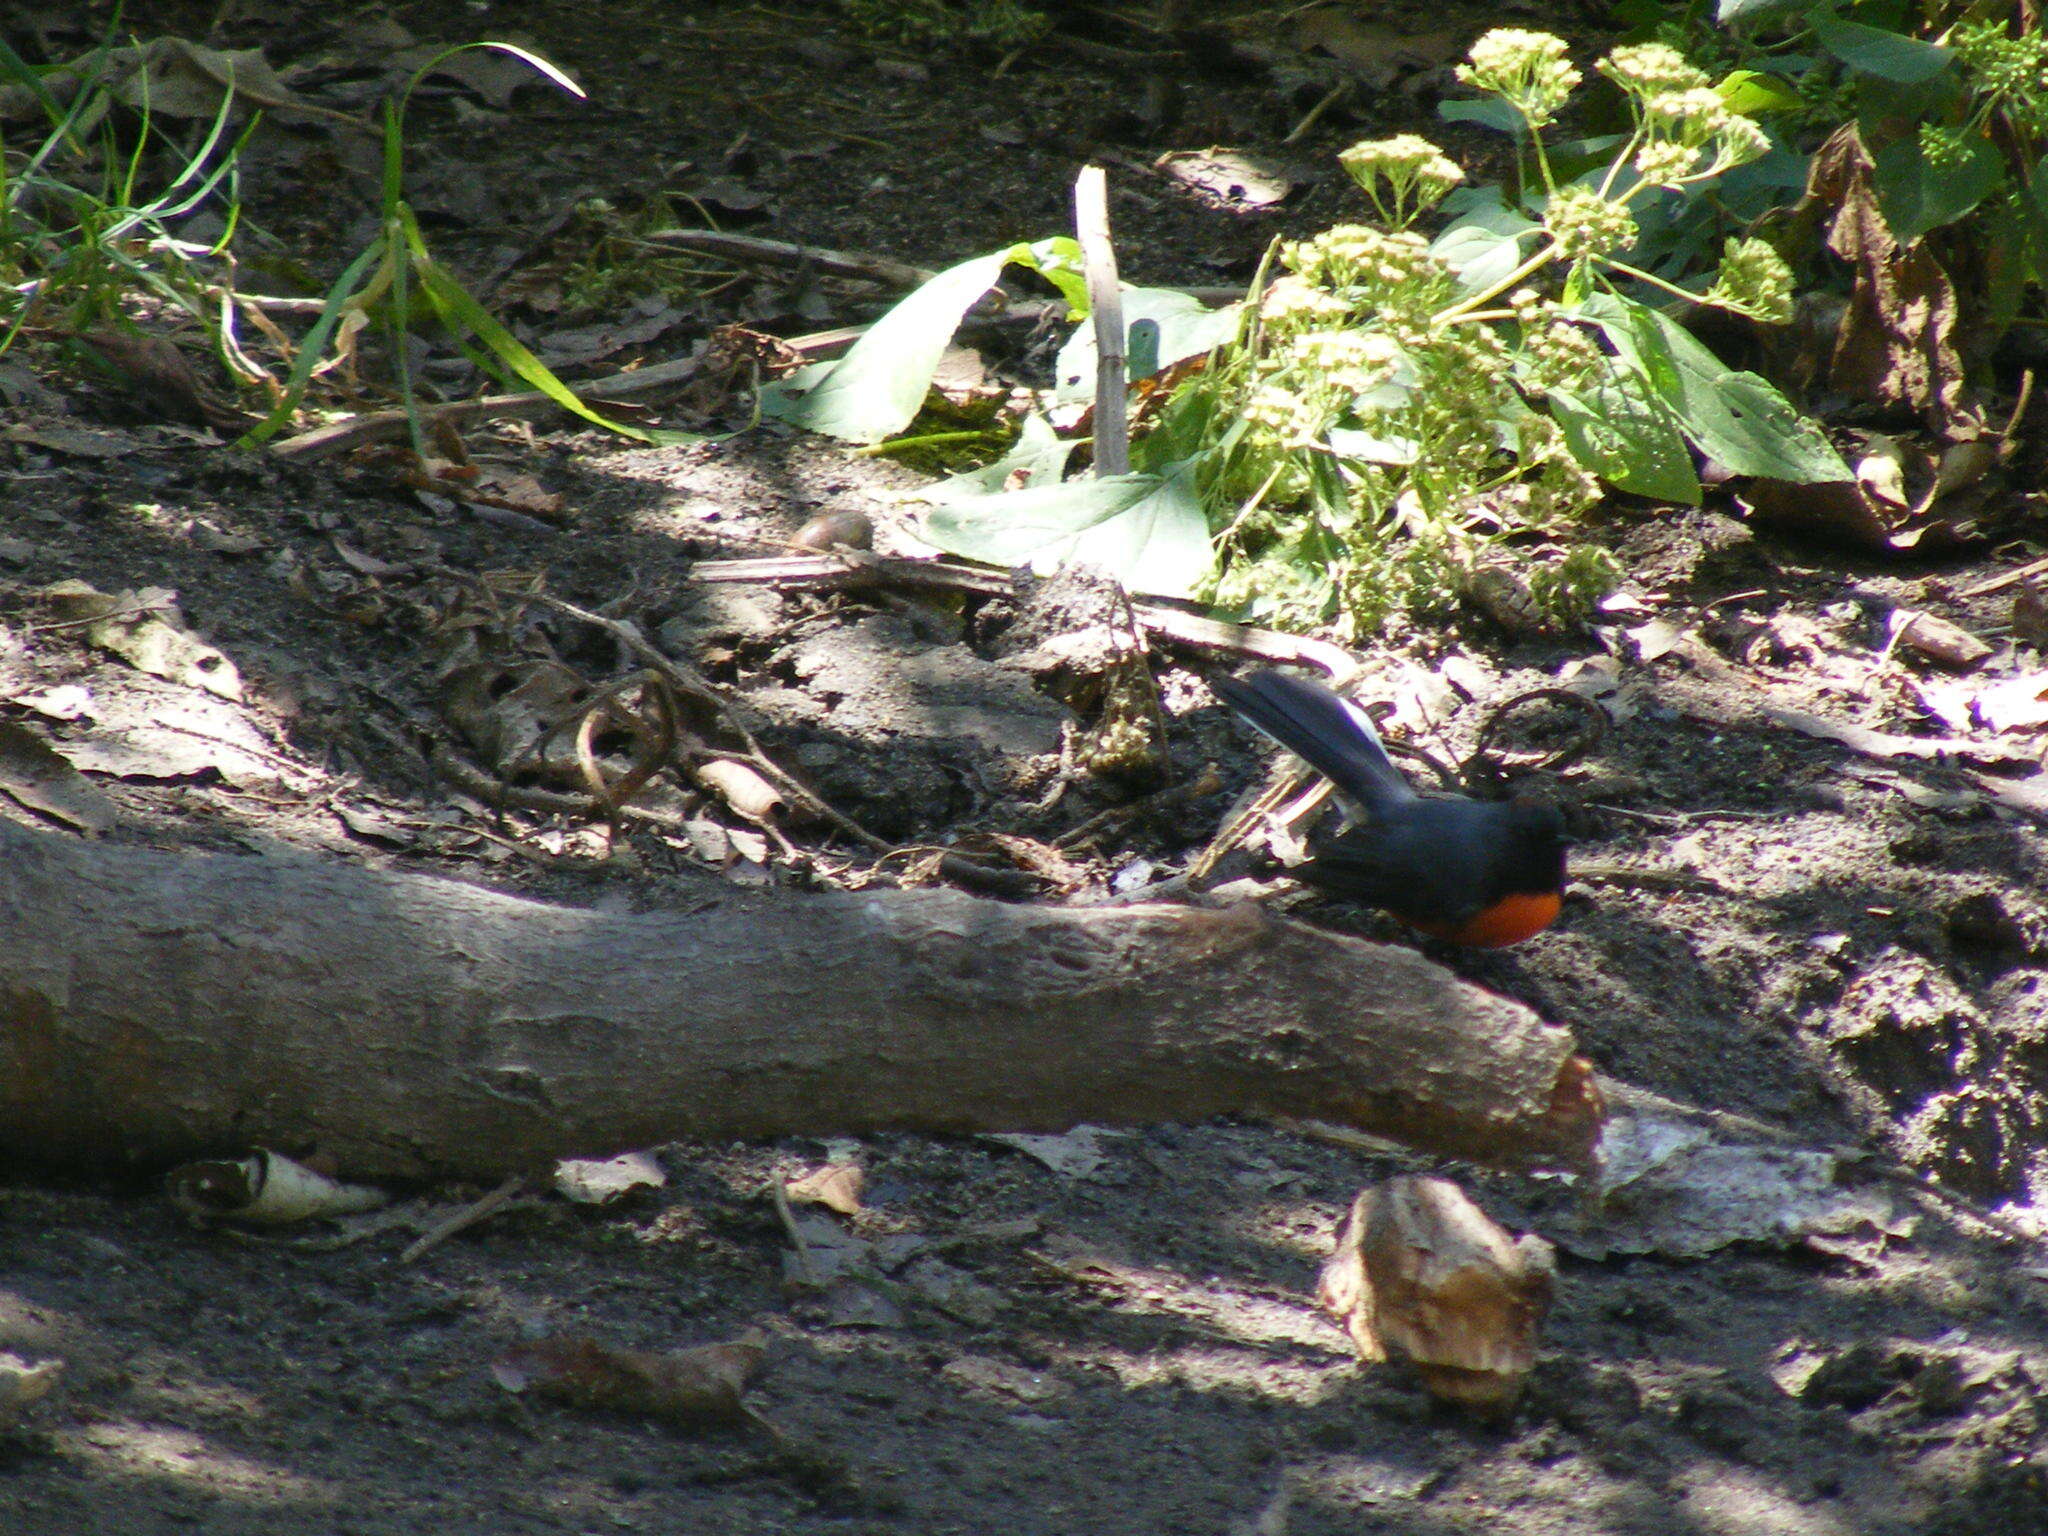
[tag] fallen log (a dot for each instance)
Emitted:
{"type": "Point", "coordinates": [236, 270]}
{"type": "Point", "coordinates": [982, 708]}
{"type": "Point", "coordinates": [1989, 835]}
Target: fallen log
{"type": "Point", "coordinates": [158, 1006]}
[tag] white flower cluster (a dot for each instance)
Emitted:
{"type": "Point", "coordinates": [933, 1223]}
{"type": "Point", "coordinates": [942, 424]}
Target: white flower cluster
{"type": "Point", "coordinates": [1528, 70]}
{"type": "Point", "coordinates": [1583, 223]}
{"type": "Point", "coordinates": [1404, 176]}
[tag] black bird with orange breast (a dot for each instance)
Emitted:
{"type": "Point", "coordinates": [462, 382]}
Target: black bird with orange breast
{"type": "Point", "coordinates": [1480, 872]}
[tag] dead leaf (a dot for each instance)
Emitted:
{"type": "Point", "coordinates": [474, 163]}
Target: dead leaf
{"type": "Point", "coordinates": [836, 1186]}
{"type": "Point", "coordinates": [494, 75]}
{"type": "Point", "coordinates": [1949, 645]}
{"type": "Point", "coordinates": [37, 777]}
{"type": "Point", "coordinates": [1073, 1155]}
{"type": "Point", "coordinates": [1897, 342]}
{"type": "Point", "coordinates": [1847, 512]}
{"type": "Point", "coordinates": [174, 77]}
{"type": "Point", "coordinates": [154, 730]}
{"type": "Point", "coordinates": [602, 1181]}
{"type": "Point", "coordinates": [74, 442]}
{"type": "Point", "coordinates": [2014, 704]}
{"type": "Point", "coordinates": [1669, 1186]}
{"type": "Point", "coordinates": [701, 1385]}
{"type": "Point", "coordinates": [1231, 178]}
{"type": "Point", "coordinates": [143, 627]}
{"type": "Point", "coordinates": [1421, 1273]}
{"type": "Point", "coordinates": [1376, 55]}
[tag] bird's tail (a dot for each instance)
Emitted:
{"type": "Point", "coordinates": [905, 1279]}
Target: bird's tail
{"type": "Point", "coordinates": [1333, 735]}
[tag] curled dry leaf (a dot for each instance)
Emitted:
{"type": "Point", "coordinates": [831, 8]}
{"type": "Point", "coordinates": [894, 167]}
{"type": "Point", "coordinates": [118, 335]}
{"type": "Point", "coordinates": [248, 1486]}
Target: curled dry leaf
{"type": "Point", "coordinates": [742, 788]}
{"type": "Point", "coordinates": [836, 1186]}
{"type": "Point", "coordinates": [701, 1385]}
{"type": "Point", "coordinates": [1897, 343]}
{"type": "Point", "coordinates": [1421, 1273]}
{"type": "Point", "coordinates": [265, 1189]}
{"type": "Point", "coordinates": [1946, 644]}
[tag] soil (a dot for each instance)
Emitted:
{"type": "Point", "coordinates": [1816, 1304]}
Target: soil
{"type": "Point", "coordinates": [1846, 946]}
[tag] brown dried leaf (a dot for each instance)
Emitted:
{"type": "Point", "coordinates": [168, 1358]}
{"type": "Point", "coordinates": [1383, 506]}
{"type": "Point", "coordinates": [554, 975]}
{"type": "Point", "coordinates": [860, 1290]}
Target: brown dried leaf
{"type": "Point", "coordinates": [1376, 55]}
{"type": "Point", "coordinates": [1231, 178]}
{"type": "Point", "coordinates": [1897, 341]}
{"type": "Point", "coordinates": [836, 1186]}
{"type": "Point", "coordinates": [701, 1385]}
{"type": "Point", "coordinates": [1421, 1273]}
{"type": "Point", "coordinates": [34, 775]}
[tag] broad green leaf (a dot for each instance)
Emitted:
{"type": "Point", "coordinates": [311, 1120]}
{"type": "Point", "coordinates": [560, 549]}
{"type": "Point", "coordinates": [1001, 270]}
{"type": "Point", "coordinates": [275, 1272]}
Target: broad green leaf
{"type": "Point", "coordinates": [1148, 531]}
{"type": "Point", "coordinates": [877, 388]}
{"type": "Point", "coordinates": [1917, 195]}
{"type": "Point", "coordinates": [1874, 51]}
{"type": "Point", "coordinates": [1753, 93]}
{"type": "Point", "coordinates": [1058, 261]}
{"type": "Point", "coordinates": [1583, 160]}
{"type": "Point", "coordinates": [1484, 243]}
{"type": "Point", "coordinates": [1038, 457]}
{"type": "Point", "coordinates": [2036, 202]}
{"type": "Point", "coordinates": [1738, 419]}
{"type": "Point", "coordinates": [1626, 436]}
{"type": "Point", "coordinates": [1372, 447]}
{"type": "Point", "coordinates": [1487, 112]}
{"type": "Point", "coordinates": [1749, 10]}
{"type": "Point", "coordinates": [1187, 328]}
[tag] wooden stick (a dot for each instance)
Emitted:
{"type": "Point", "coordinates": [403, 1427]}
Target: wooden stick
{"type": "Point", "coordinates": [159, 1006]}
{"type": "Point", "coordinates": [1106, 305]}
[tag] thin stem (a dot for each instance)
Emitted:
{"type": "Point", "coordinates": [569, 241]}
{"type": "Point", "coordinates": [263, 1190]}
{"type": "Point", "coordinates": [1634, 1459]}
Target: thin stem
{"type": "Point", "coordinates": [1654, 281]}
{"type": "Point", "coordinates": [1466, 307]}
{"type": "Point", "coordinates": [1628, 152]}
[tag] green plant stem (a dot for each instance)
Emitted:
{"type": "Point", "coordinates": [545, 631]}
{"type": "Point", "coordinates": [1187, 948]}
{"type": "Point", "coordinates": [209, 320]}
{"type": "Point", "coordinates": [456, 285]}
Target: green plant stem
{"type": "Point", "coordinates": [1654, 281]}
{"type": "Point", "coordinates": [1628, 153]}
{"type": "Point", "coordinates": [929, 440]}
{"type": "Point", "coordinates": [1466, 307]}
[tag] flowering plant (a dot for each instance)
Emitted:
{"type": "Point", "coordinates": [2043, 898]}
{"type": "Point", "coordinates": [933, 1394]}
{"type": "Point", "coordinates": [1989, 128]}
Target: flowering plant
{"type": "Point", "coordinates": [1402, 409]}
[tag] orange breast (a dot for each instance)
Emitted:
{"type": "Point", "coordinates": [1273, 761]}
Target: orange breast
{"type": "Point", "coordinates": [1508, 921]}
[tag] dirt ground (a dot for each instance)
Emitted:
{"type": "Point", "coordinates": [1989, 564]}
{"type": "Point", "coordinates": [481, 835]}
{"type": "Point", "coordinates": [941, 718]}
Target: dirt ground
{"type": "Point", "coordinates": [1842, 941]}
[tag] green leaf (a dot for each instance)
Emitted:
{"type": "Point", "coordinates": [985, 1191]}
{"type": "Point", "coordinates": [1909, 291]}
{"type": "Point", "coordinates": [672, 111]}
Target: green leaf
{"type": "Point", "coordinates": [1058, 261]}
{"type": "Point", "coordinates": [1187, 328]}
{"type": "Point", "coordinates": [2036, 201]}
{"type": "Point", "coordinates": [313, 346]}
{"type": "Point", "coordinates": [1874, 51]}
{"type": "Point", "coordinates": [1372, 447]}
{"type": "Point", "coordinates": [1739, 420]}
{"type": "Point", "coordinates": [1623, 433]}
{"type": "Point", "coordinates": [1754, 93]}
{"type": "Point", "coordinates": [1038, 457]}
{"type": "Point", "coordinates": [876, 389]}
{"type": "Point", "coordinates": [1749, 10]}
{"type": "Point", "coordinates": [1917, 195]}
{"type": "Point", "coordinates": [1148, 531]}
{"type": "Point", "coordinates": [455, 300]}
{"type": "Point", "coordinates": [1484, 243]}
{"type": "Point", "coordinates": [1487, 112]}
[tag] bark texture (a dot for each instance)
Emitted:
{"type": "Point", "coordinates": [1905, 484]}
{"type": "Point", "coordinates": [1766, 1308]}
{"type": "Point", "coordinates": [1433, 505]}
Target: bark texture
{"type": "Point", "coordinates": [158, 1006]}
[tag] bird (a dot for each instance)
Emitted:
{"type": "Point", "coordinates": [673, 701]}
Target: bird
{"type": "Point", "coordinates": [1483, 873]}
